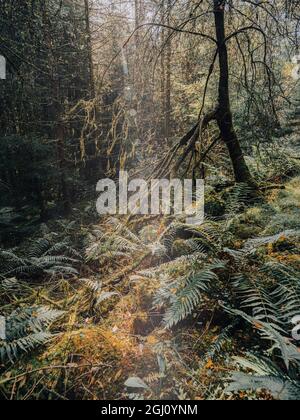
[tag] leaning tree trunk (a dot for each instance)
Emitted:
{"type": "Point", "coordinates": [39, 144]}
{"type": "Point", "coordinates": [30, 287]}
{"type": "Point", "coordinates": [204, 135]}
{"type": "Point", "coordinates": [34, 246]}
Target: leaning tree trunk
{"type": "Point", "coordinates": [224, 115]}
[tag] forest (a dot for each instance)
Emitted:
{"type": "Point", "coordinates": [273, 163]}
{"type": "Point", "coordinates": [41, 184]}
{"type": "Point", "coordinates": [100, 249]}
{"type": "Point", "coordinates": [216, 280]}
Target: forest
{"type": "Point", "coordinates": [126, 304]}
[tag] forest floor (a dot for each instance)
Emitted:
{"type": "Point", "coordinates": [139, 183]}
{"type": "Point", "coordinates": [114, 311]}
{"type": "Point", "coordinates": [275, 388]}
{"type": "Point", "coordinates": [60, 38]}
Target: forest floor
{"type": "Point", "coordinates": [111, 341]}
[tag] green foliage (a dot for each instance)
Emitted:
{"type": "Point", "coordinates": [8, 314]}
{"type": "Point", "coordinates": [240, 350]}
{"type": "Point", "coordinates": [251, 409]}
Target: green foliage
{"type": "Point", "coordinates": [186, 294]}
{"type": "Point", "coordinates": [96, 288]}
{"type": "Point", "coordinates": [43, 256]}
{"type": "Point", "coordinates": [66, 122]}
{"type": "Point", "coordinates": [116, 240]}
{"type": "Point", "coordinates": [287, 290]}
{"type": "Point", "coordinates": [25, 329]}
{"type": "Point", "coordinates": [264, 294]}
{"type": "Point", "coordinates": [274, 162]}
{"type": "Point", "coordinates": [238, 199]}
{"type": "Point", "coordinates": [119, 242]}
{"type": "Point", "coordinates": [270, 309]}
{"type": "Point", "coordinates": [275, 302]}
{"type": "Point", "coordinates": [266, 376]}
{"type": "Point", "coordinates": [219, 345]}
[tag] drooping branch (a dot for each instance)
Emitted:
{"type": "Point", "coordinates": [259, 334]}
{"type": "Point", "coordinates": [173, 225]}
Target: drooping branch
{"type": "Point", "coordinates": [172, 28]}
{"type": "Point", "coordinates": [201, 127]}
{"type": "Point", "coordinates": [193, 135]}
{"type": "Point", "coordinates": [154, 24]}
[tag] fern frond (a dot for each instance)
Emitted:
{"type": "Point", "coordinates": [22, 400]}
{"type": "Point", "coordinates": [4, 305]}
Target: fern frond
{"type": "Point", "coordinates": [38, 248]}
{"type": "Point", "coordinates": [254, 296]}
{"type": "Point", "coordinates": [185, 294]}
{"type": "Point", "coordinates": [287, 292]}
{"type": "Point", "coordinates": [289, 352]}
{"type": "Point", "coordinates": [94, 285]}
{"type": "Point", "coordinates": [253, 244]}
{"type": "Point", "coordinates": [12, 349]}
{"type": "Point", "coordinates": [63, 248]}
{"type": "Point", "coordinates": [41, 256]}
{"type": "Point", "coordinates": [222, 340]}
{"type": "Point", "coordinates": [267, 377]}
{"type": "Point", "coordinates": [61, 269]}
{"type": "Point", "coordinates": [25, 330]}
{"type": "Point", "coordinates": [238, 197]}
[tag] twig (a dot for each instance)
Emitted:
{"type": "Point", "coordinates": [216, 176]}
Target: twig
{"type": "Point", "coordinates": [30, 372]}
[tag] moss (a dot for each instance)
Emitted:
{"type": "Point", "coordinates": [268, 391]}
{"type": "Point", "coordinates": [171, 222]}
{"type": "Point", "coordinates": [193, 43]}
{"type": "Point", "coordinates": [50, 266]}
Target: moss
{"type": "Point", "coordinates": [247, 232]}
{"type": "Point", "coordinates": [259, 216]}
{"type": "Point", "coordinates": [243, 227]}
{"type": "Point", "coordinates": [281, 222]}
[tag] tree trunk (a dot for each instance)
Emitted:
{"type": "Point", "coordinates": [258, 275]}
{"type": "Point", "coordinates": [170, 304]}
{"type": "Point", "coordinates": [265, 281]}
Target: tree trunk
{"type": "Point", "coordinates": [138, 69]}
{"type": "Point", "coordinates": [168, 77]}
{"type": "Point", "coordinates": [89, 47]}
{"type": "Point", "coordinates": [163, 71]}
{"type": "Point", "coordinates": [60, 138]}
{"type": "Point", "coordinates": [224, 115]}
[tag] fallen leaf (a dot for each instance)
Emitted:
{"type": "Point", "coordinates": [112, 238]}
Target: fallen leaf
{"type": "Point", "coordinates": [209, 364]}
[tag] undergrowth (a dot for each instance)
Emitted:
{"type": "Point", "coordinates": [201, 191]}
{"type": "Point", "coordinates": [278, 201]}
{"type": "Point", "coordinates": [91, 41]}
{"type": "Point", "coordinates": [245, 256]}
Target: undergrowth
{"type": "Point", "coordinates": [158, 309]}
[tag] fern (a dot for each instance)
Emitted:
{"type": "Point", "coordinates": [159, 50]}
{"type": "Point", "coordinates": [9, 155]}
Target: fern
{"type": "Point", "coordinates": [238, 199]}
{"type": "Point", "coordinates": [42, 256]}
{"type": "Point", "coordinates": [94, 285]}
{"type": "Point", "coordinates": [276, 301]}
{"type": "Point", "coordinates": [272, 308]}
{"type": "Point", "coordinates": [287, 292]}
{"type": "Point", "coordinates": [12, 349]}
{"type": "Point", "coordinates": [25, 329]}
{"type": "Point", "coordinates": [185, 294]}
{"type": "Point", "coordinates": [10, 285]}
{"type": "Point", "coordinates": [288, 351]}
{"type": "Point", "coordinates": [207, 236]}
{"type": "Point", "coordinates": [255, 297]}
{"type": "Point", "coordinates": [267, 377]}
{"type": "Point", "coordinates": [222, 340]}
{"type": "Point", "coordinates": [120, 242]}
{"type": "Point", "coordinates": [98, 294]}
{"type": "Point", "coordinates": [253, 244]}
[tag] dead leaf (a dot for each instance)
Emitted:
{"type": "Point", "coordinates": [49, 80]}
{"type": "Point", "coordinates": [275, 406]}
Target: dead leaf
{"type": "Point", "coordinates": [209, 364]}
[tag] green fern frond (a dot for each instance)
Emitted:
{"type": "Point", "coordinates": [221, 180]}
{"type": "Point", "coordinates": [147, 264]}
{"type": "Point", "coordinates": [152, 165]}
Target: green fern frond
{"type": "Point", "coordinates": [220, 343]}
{"type": "Point", "coordinates": [256, 298]}
{"type": "Point", "coordinates": [12, 349]}
{"type": "Point", "coordinates": [287, 292]}
{"type": "Point", "coordinates": [25, 329]}
{"type": "Point", "coordinates": [267, 377]}
{"type": "Point", "coordinates": [38, 248]}
{"type": "Point", "coordinates": [279, 339]}
{"type": "Point", "coordinates": [185, 294]}
{"type": "Point", "coordinates": [238, 199]}
{"type": "Point", "coordinates": [94, 285]}
{"type": "Point", "coordinates": [41, 257]}
{"type": "Point", "coordinates": [252, 244]}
